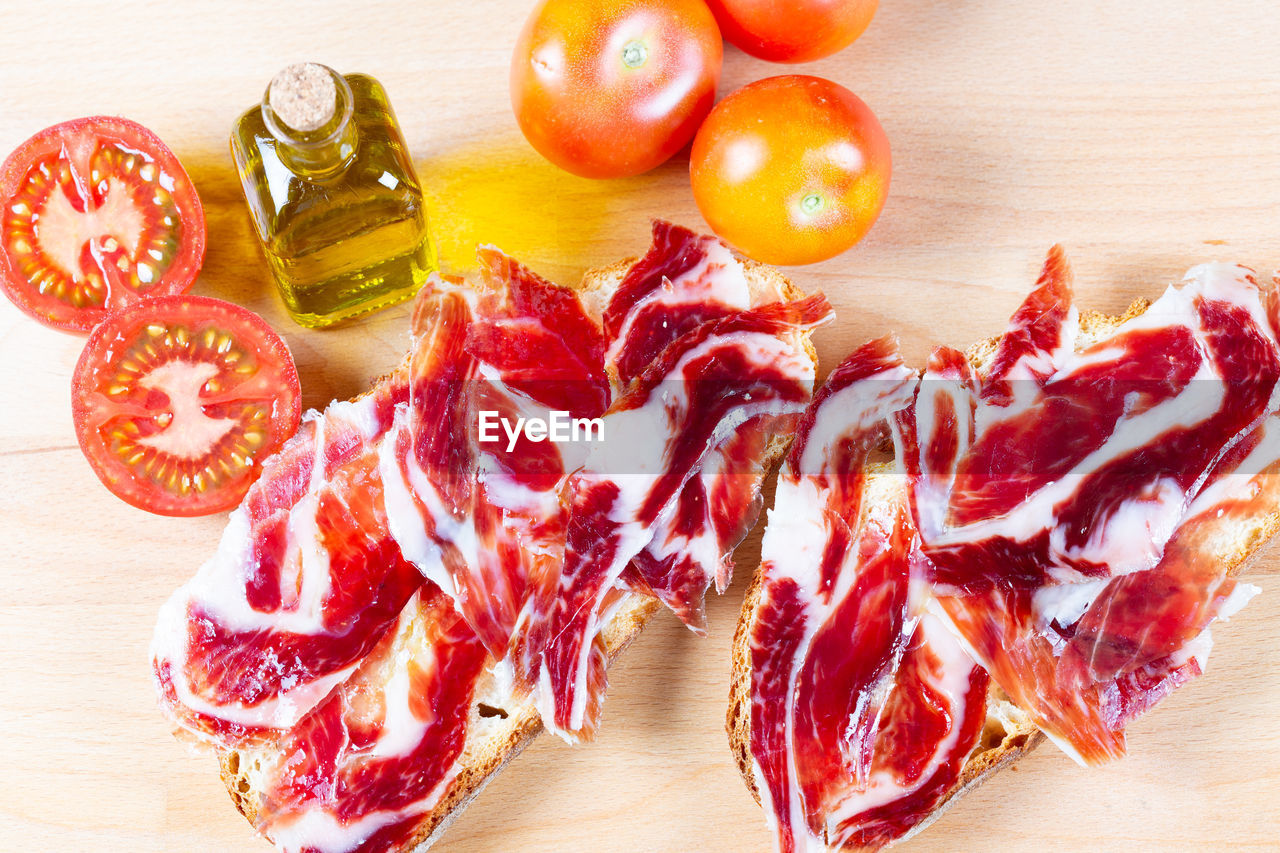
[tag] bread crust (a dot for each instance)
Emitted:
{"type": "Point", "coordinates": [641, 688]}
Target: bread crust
{"type": "Point", "coordinates": [494, 740]}
{"type": "Point", "coordinates": [1009, 735]}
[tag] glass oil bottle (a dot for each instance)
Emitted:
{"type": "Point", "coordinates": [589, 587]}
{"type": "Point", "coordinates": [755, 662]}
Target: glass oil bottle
{"type": "Point", "coordinates": [333, 194]}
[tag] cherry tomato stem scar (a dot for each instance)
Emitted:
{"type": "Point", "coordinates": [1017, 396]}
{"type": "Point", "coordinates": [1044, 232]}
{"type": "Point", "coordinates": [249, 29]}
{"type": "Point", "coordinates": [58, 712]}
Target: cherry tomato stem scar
{"type": "Point", "coordinates": [634, 53]}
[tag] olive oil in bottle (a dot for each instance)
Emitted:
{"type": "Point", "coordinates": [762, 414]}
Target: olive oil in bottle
{"type": "Point", "coordinates": [333, 194]}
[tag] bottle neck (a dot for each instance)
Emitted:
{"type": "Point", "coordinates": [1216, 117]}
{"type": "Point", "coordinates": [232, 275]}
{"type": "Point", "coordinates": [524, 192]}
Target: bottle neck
{"type": "Point", "coordinates": [325, 151]}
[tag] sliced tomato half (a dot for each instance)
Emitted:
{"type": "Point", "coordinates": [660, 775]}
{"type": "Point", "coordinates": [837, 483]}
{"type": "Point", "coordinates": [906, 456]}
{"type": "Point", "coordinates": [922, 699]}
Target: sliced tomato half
{"type": "Point", "coordinates": [95, 214]}
{"type": "Point", "coordinates": [178, 399]}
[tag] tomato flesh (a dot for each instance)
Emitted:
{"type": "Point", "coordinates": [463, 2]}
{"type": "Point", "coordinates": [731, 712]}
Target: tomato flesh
{"type": "Point", "coordinates": [791, 169]}
{"type": "Point", "coordinates": [178, 399]}
{"type": "Point", "coordinates": [611, 88]}
{"type": "Point", "coordinates": [97, 213]}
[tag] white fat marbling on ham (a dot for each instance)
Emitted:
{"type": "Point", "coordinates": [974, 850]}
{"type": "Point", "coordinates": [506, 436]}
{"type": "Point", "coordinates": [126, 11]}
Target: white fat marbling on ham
{"type": "Point", "coordinates": [1160, 513]}
{"type": "Point", "coordinates": [951, 683]}
{"type": "Point", "coordinates": [169, 645]}
{"type": "Point", "coordinates": [796, 532]}
{"type": "Point", "coordinates": [718, 278]}
{"type": "Point", "coordinates": [940, 392]}
{"type": "Point", "coordinates": [858, 408]}
{"type": "Point", "coordinates": [321, 831]}
{"type": "Point", "coordinates": [1132, 538]}
{"type": "Point", "coordinates": [403, 518]}
{"type": "Point", "coordinates": [1065, 603]}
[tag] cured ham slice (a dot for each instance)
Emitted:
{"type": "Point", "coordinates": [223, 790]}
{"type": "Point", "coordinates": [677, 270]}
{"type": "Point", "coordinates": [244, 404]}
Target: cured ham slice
{"type": "Point", "coordinates": [363, 767]}
{"type": "Point", "coordinates": [694, 538]}
{"type": "Point", "coordinates": [429, 464]}
{"type": "Point", "coordinates": [863, 707]}
{"type": "Point", "coordinates": [717, 376]}
{"type": "Point", "coordinates": [683, 281]}
{"type": "Point", "coordinates": [1066, 498]}
{"type": "Point", "coordinates": [484, 520]}
{"type": "Point", "coordinates": [538, 338]}
{"type": "Point", "coordinates": [305, 582]}
{"type": "Point", "coordinates": [539, 351]}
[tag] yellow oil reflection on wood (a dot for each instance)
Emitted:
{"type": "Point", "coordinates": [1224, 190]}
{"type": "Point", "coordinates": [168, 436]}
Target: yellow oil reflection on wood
{"type": "Point", "coordinates": [502, 193]}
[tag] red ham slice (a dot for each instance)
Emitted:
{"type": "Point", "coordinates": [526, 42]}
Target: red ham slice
{"type": "Point", "coordinates": [863, 707]}
{"type": "Point", "coordinates": [306, 581]}
{"type": "Point", "coordinates": [721, 374]}
{"type": "Point", "coordinates": [363, 767]}
{"type": "Point", "coordinates": [683, 281]}
{"type": "Point", "coordinates": [1055, 498]}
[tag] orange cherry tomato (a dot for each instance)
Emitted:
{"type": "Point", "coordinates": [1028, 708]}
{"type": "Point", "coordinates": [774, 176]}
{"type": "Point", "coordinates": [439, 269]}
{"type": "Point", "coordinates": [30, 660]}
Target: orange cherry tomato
{"type": "Point", "coordinates": [792, 30]}
{"type": "Point", "coordinates": [791, 170]}
{"type": "Point", "coordinates": [610, 88]}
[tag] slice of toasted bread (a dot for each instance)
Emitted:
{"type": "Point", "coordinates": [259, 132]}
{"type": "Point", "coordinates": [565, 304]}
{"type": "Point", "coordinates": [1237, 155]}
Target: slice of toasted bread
{"type": "Point", "coordinates": [1009, 732]}
{"type": "Point", "coordinates": [498, 730]}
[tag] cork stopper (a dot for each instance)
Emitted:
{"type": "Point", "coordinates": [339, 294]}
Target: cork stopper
{"type": "Point", "coordinates": [303, 96]}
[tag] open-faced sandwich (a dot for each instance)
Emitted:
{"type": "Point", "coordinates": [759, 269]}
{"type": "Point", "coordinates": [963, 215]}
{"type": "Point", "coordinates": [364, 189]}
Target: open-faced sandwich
{"type": "Point", "coordinates": [1030, 540]}
{"type": "Point", "coordinates": [421, 579]}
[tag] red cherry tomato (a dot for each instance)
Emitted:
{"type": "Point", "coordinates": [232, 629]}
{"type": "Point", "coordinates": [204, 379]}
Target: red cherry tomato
{"type": "Point", "coordinates": [178, 399]}
{"type": "Point", "coordinates": [95, 213]}
{"type": "Point", "coordinates": [791, 170]}
{"type": "Point", "coordinates": [610, 88]}
{"type": "Point", "coordinates": [792, 30]}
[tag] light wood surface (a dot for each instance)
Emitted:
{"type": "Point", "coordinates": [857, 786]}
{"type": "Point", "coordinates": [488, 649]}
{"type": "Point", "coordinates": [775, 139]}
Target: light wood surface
{"type": "Point", "coordinates": [1144, 135]}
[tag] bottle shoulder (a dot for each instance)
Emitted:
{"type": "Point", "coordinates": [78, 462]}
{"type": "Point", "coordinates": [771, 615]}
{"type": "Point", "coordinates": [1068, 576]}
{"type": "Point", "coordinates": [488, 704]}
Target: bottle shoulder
{"type": "Point", "coordinates": [378, 185]}
{"type": "Point", "coordinates": [383, 155]}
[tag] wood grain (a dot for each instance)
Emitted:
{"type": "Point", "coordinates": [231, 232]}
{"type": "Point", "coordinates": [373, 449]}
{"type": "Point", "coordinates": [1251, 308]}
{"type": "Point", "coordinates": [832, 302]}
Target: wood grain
{"type": "Point", "coordinates": [1145, 136]}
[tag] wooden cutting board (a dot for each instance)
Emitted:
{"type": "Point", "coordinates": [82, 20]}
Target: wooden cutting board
{"type": "Point", "coordinates": [1145, 136]}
